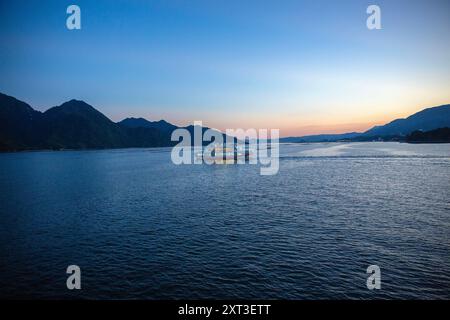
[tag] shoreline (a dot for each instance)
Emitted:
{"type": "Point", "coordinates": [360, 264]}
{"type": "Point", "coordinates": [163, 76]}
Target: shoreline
{"type": "Point", "coordinates": [160, 147]}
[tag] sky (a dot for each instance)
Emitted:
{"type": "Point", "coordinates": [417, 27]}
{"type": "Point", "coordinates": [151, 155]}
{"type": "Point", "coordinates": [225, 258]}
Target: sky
{"type": "Point", "coordinates": [304, 67]}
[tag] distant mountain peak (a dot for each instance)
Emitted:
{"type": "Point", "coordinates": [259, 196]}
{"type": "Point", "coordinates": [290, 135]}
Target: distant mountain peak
{"type": "Point", "coordinates": [162, 125]}
{"type": "Point", "coordinates": [133, 118]}
{"type": "Point", "coordinates": [75, 107]}
{"type": "Point", "coordinates": [76, 103]}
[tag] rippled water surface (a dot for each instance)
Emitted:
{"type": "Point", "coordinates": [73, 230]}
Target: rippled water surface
{"type": "Point", "coordinates": [141, 227]}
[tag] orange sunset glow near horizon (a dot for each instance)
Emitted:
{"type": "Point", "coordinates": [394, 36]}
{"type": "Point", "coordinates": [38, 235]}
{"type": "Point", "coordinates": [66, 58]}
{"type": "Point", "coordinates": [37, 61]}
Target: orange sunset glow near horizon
{"type": "Point", "coordinates": [340, 120]}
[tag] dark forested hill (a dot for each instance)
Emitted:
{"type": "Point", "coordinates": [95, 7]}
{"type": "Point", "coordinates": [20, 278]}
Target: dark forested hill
{"type": "Point", "coordinates": [441, 135]}
{"type": "Point", "coordinates": [77, 125]}
{"type": "Point", "coordinates": [72, 125]}
{"type": "Point", "coordinates": [20, 125]}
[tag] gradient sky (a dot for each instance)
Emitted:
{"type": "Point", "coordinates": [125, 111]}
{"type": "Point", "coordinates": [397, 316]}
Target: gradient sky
{"type": "Point", "coordinates": [302, 66]}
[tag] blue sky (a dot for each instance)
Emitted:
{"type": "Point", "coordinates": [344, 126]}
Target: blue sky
{"type": "Point", "coordinates": [301, 66]}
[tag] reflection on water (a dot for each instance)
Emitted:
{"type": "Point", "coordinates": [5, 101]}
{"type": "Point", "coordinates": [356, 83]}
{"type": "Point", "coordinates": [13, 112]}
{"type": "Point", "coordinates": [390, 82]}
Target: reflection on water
{"type": "Point", "coordinates": [141, 227]}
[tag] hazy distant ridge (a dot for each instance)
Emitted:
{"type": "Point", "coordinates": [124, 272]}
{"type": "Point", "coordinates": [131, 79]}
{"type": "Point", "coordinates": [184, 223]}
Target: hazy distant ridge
{"type": "Point", "coordinates": [425, 120]}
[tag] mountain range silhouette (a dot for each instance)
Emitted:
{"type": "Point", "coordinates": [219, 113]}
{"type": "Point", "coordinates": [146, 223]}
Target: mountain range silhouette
{"type": "Point", "coordinates": [77, 125]}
